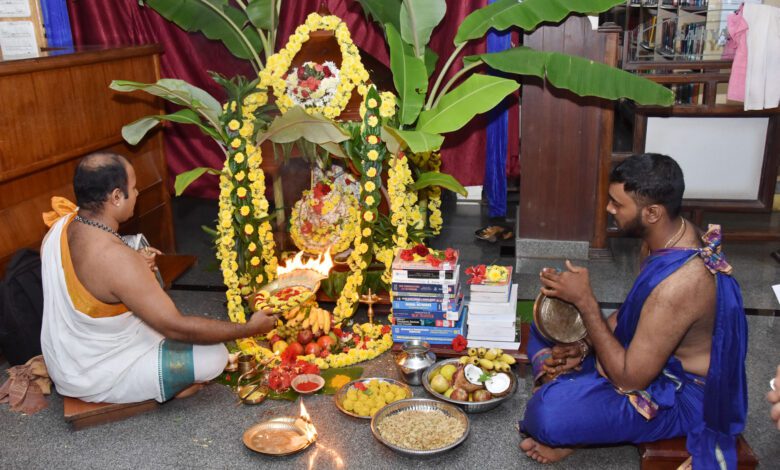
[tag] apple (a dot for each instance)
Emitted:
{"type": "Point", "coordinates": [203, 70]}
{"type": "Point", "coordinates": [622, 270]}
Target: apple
{"type": "Point", "coordinates": [275, 338]}
{"type": "Point", "coordinates": [305, 337]}
{"type": "Point", "coordinates": [313, 348]}
{"type": "Point", "coordinates": [279, 346]}
{"type": "Point", "coordinates": [482, 395]}
{"type": "Point", "coordinates": [297, 348]}
{"type": "Point", "coordinates": [447, 371]}
{"type": "Point", "coordinates": [325, 353]}
{"type": "Point", "coordinates": [325, 342]}
{"type": "Point", "coordinates": [439, 384]}
{"type": "Point", "coordinates": [459, 395]}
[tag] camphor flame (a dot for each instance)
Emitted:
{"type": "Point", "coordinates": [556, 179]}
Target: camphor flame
{"type": "Point", "coordinates": [322, 264]}
{"type": "Point", "coordinates": [305, 424]}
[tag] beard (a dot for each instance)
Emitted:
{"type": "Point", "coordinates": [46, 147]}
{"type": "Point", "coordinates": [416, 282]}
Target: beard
{"type": "Point", "coordinates": [634, 227]}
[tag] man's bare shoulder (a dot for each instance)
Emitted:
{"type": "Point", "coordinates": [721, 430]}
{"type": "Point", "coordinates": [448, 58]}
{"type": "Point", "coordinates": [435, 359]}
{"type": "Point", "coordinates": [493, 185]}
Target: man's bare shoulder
{"type": "Point", "coordinates": [690, 290]}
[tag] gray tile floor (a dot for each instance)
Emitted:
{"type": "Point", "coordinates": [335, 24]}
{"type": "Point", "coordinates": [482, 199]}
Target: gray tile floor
{"type": "Point", "coordinates": [204, 431]}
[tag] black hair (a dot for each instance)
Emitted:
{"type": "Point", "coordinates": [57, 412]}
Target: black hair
{"type": "Point", "coordinates": [97, 175]}
{"type": "Point", "coordinates": [652, 178]}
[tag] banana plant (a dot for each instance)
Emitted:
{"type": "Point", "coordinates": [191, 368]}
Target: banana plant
{"type": "Point", "coordinates": [427, 113]}
{"type": "Point", "coordinates": [246, 30]}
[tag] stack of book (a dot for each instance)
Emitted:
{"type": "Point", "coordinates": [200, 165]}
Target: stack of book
{"type": "Point", "coordinates": [492, 314]}
{"type": "Point", "coordinates": [427, 301]}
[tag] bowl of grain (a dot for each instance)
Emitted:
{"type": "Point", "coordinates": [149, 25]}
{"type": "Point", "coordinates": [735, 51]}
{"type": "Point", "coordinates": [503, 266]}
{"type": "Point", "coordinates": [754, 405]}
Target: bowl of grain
{"type": "Point", "coordinates": [420, 426]}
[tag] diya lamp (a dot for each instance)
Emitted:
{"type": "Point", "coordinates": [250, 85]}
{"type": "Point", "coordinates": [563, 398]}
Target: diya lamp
{"type": "Point", "coordinates": [369, 299]}
{"type": "Point", "coordinates": [283, 435]}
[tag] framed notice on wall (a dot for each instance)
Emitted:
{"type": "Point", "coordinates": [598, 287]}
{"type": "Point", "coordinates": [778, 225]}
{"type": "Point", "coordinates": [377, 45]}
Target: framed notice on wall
{"type": "Point", "coordinates": [729, 162]}
{"type": "Point", "coordinates": [21, 29]}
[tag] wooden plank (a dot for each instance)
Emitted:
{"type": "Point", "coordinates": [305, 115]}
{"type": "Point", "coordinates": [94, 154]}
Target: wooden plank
{"type": "Point", "coordinates": [670, 453]}
{"type": "Point", "coordinates": [81, 414]}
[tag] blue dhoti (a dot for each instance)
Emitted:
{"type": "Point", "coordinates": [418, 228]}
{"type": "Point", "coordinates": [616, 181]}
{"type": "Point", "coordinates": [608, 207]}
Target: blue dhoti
{"type": "Point", "coordinates": [584, 408]}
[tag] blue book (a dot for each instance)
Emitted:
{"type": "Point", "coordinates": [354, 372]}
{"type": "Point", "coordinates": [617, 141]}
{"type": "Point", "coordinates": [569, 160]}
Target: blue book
{"type": "Point", "coordinates": [402, 287]}
{"type": "Point", "coordinates": [432, 331]}
{"type": "Point", "coordinates": [431, 340]}
{"type": "Point", "coordinates": [424, 322]}
{"type": "Point", "coordinates": [413, 314]}
{"type": "Point", "coordinates": [425, 305]}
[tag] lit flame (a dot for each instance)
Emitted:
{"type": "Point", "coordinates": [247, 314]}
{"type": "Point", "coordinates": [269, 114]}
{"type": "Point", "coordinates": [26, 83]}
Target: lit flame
{"type": "Point", "coordinates": [305, 424]}
{"type": "Point", "coordinates": [322, 264]}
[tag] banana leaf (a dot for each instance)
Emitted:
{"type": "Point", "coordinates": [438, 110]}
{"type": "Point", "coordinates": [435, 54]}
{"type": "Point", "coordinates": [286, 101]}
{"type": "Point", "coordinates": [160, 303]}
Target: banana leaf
{"type": "Point", "coordinates": [527, 15]}
{"type": "Point", "coordinates": [297, 123]}
{"type": "Point", "coordinates": [418, 19]}
{"type": "Point", "coordinates": [177, 92]}
{"type": "Point", "coordinates": [216, 19]}
{"type": "Point", "coordinates": [185, 179]}
{"type": "Point", "coordinates": [409, 76]}
{"type": "Point", "coordinates": [417, 141]}
{"type": "Point", "coordinates": [477, 94]}
{"type": "Point", "coordinates": [264, 14]}
{"type": "Point", "coordinates": [135, 131]}
{"type": "Point", "coordinates": [434, 178]}
{"type": "Point", "coordinates": [383, 11]}
{"type": "Point", "coordinates": [581, 76]}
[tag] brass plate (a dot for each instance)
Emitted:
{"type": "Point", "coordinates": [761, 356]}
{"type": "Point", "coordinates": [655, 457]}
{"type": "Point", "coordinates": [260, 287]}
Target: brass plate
{"type": "Point", "coordinates": [276, 436]}
{"type": "Point", "coordinates": [341, 394]}
{"type": "Point", "coordinates": [300, 277]}
{"type": "Point", "coordinates": [557, 320]}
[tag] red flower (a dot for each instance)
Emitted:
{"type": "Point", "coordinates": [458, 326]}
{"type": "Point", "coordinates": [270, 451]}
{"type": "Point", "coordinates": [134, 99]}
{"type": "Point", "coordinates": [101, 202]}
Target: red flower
{"type": "Point", "coordinates": [288, 356]}
{"type": "Point", "coordinates": [450, 254]}
{"type": "Point", "coordinates": [407, 255]}
{"type": "Point", "coordinates": [385, 329]}
{"type": "Point", "coordinates": [308, 368]}
{"type": "Point", "coordinates": [360, 386]}
{"type": "Point", "coordinates": [420, 250]}
{"type": "Point", "coordinates": [434, 261]}
{"type": "Point", "coordinates": [459, 343]}
{"type": "Point", "coordinates": [477, 273]}
{"type": "Point", "coordinates": [321, 190]}
{"type": "Point", "coordinates": [306, 227]}
{"type": "Point", "coordinates": [337, 332]}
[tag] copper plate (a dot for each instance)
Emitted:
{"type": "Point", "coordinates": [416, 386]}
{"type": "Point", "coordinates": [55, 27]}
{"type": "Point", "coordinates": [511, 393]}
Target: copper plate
{"type": "Point", "coordinates": [258, 437]}
{"type": "Point", "coordinates": [557, 320]}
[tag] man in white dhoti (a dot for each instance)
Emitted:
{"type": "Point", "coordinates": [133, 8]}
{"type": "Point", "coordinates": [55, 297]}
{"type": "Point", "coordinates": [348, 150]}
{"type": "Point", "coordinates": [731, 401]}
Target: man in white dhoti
{"type": "Point", "coordinates": [110, 333]}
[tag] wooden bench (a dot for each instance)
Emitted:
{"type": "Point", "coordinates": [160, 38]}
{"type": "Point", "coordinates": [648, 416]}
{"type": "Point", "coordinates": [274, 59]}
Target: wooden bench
{"type": "Point", "coordinates": [668, 454]}
{"type": "Point", "coordinates": [81, 414]}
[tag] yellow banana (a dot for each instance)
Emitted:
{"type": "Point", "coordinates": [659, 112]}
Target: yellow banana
{"type": "Point", "coordinates": [508, 359]}
{"type": "Point", "coordinates": [326, 329]}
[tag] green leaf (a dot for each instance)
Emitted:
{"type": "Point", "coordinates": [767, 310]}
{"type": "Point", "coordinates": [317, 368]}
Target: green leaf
{"type": "Point", "coordinates": [216, 19]}
{"type": "Point", "coordinates": [353, 373]}
{"type": "Point", "coordinates": [262, 14]}
{"type": "Point", "coordinates": [409, 76]}
{"type": "Point", "coordinates": [418, 18]}
{"type": "Point", "coordinates": [431, 57]}
{"type": "Point", "coordinates": [383, 11]}
{"type": "Point", "coordinates": [334, 149]}
{"type": "Point", "coordinates": [297, 123]}
{"type": "Point", "coordinates": [391, 139]}
{"type": "Point", "coordinates": [185, 179]}
{"type": "Point", "coordinates": [581, 76]}
{"type": "Point", "coordinates": [135, 131]}
{"type": "Point", "coordinates": [177, 92]}
{"type": "Point", "coordinates": [418, 141]}
{"type": "Point", "coordinates": [527, 15]}
{"type": "Point", "coordinates": [435, 178]}
{"type": "Point", "coordinates": [477, 94]}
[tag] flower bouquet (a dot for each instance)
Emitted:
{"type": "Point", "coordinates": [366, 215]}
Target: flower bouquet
{"type": "Point", "coordinates": [312, 84]}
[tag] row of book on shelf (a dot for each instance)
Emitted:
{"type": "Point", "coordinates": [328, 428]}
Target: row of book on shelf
{"type": "Point", "coordinates": [428, 304]}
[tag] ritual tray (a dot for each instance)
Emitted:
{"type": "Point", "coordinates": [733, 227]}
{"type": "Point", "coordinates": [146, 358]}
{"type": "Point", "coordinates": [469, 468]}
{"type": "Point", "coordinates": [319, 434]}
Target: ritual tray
{"type": "Point", "coordinates": [557, 320]}
{"type": "Point", "coordinates": [258, 437]}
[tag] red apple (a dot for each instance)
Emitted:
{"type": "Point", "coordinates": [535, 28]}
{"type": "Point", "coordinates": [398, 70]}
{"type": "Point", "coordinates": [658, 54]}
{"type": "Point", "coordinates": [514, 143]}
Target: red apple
{"type": "Point", "coordinates": [325, 353]}
{"type": "Point", "coordinates": [275, 338]}
{"type": "Point", "coordinates": [325, 342]}
{"type": "Point", "coordinates": [313, 348]}
{"type": "Point", "coordinates": [305, 337]}
{"type": "Point", "coordinates": [297, 348]}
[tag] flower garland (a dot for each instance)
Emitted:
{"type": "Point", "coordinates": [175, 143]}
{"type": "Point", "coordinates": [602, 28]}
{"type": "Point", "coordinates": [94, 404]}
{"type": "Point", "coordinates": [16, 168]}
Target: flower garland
{"type": "Point", "coordinates": [374, 340]}
{"type": "Point", "coordinates": [351, 71]}
{"type": "Point", "coordinates": [312, 84]}
{"type": "Point", "coordinates": [435, 219]}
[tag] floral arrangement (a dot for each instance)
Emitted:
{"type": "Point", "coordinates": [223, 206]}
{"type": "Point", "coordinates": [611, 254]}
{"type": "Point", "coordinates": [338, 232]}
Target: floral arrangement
{"type": "Point", "coordinates": [326, 217]}
{"type": "Point", "coordinates": [313, 84]}
{"type": "Point", "coordinates": [481, 273]}
{"type": "Point", "coordinates": [422, 254]}
{"type": "Point", "coordinates": [459, 343]}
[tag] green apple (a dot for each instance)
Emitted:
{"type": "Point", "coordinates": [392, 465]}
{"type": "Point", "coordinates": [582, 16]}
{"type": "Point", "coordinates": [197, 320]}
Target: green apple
{"type": "Point", "coordinates": [447, 371]}
{"type": "Point", "coordinates": [439, 384]}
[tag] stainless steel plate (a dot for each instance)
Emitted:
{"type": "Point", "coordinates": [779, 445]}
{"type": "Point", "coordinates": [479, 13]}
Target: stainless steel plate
{"type": "Point", "coordinates": [468, 406]}
{"type": "Point", "coordinates": [276, 436]}
{"type": "Point", "coordinates": [341, 394]}
{"type": "Point", "coordinates": [557, 320]}
{"type": "Point", "coordinates": [420, 404]}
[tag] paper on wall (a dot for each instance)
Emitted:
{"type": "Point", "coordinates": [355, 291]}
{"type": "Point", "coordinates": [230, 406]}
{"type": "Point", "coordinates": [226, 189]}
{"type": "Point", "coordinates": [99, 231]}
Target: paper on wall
{"type": "Point", "coordinates": [15, 9]}
{"type": "Point", "coordinates": [17, 39]}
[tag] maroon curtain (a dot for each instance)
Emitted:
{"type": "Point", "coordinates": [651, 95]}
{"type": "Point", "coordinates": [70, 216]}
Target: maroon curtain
{"type": "Point", "coordinates": [189, 57]}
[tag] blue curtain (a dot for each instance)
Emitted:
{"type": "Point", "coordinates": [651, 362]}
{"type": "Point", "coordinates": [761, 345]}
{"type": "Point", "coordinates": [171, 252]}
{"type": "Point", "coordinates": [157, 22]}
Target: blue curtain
{"type": "Point", "coordinates": [57, 23]}
{"type": "Point", "coordinates": [496, 146]}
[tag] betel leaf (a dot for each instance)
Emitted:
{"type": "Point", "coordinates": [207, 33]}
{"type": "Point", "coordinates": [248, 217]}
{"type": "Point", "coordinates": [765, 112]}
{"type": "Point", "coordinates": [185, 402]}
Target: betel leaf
{"type": "Point", "coordinates": [417, 141]}
{"type": "Point", "coordinates": [383, 11]}
{"type": "Point", "coordinates": [135, 131]}
{"type": "Point", "coordinates": [297, 123]}
{"type": "Point", "coordinates": [418, 19]}
{"type": "Point", "coordinates": [526, 15]}
{"type": "Point", "coordinates": [185, 179]}
{"type": "Point", "coordinates": [216, 19]}
{"type": "Point", "coordinates": [581, 76]}
{"type": "Point", "coordinates": [435, 178]}
{"type": "Point", "coordinates": [477, 94]}
{"type": "Point", "coordinates": [409, 76]}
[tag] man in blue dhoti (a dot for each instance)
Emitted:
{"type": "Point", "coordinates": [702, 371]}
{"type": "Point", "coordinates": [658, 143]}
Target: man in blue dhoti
{"type": "Point", "coordinates": [670, 361]}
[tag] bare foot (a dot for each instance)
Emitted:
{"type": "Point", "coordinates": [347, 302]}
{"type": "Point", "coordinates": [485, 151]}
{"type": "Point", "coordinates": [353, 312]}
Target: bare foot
{"type": "Point", "coordinates": [542, 453]}
{"type": "Point", "coordinates": [190, 391]}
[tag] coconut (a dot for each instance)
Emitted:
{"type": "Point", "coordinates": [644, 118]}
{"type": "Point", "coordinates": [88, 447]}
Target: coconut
{"type": "Point", "coordinates": [473, 374]}
{"type": "Point", "coordinates": [498, 384]}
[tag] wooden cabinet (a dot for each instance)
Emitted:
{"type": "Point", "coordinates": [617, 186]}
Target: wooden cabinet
{"type": "Point", "coordinates": [58, 108]}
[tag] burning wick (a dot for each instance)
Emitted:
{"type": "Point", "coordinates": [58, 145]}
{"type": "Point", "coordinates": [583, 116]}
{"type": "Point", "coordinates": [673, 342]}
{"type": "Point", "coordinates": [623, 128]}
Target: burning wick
{"type": "Point", "coordinates": [322, 264]}
{"type": "Point", "coordinates": [303, 422]}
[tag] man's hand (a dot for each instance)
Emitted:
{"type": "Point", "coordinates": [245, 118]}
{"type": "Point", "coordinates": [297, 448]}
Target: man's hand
{"type": "Point", "coordinates": [572, 286]}
{"type": "Point", "coordinates": [563, 358]}
{"type": "Point", "coordinates": [149, 255]}
{"type": "Point", "coordinates": [262, 321]}
{"type": "Point", "coordinates": [773, 397]}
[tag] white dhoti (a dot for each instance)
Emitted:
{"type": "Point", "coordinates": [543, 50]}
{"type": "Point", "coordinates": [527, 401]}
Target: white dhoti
{"type": "Point", "coordinates": [101, 352]}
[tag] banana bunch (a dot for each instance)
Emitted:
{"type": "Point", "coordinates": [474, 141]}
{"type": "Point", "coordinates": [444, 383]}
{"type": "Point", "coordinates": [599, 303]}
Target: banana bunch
{"type": "Point", "coordinates": [318, 320]}
{"type": "Point", "coordinates": [489, 359]}
{"type": "Point", "coordinates": [292, 313]}
{"type": "Point", "coordinates": [296, 319]}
